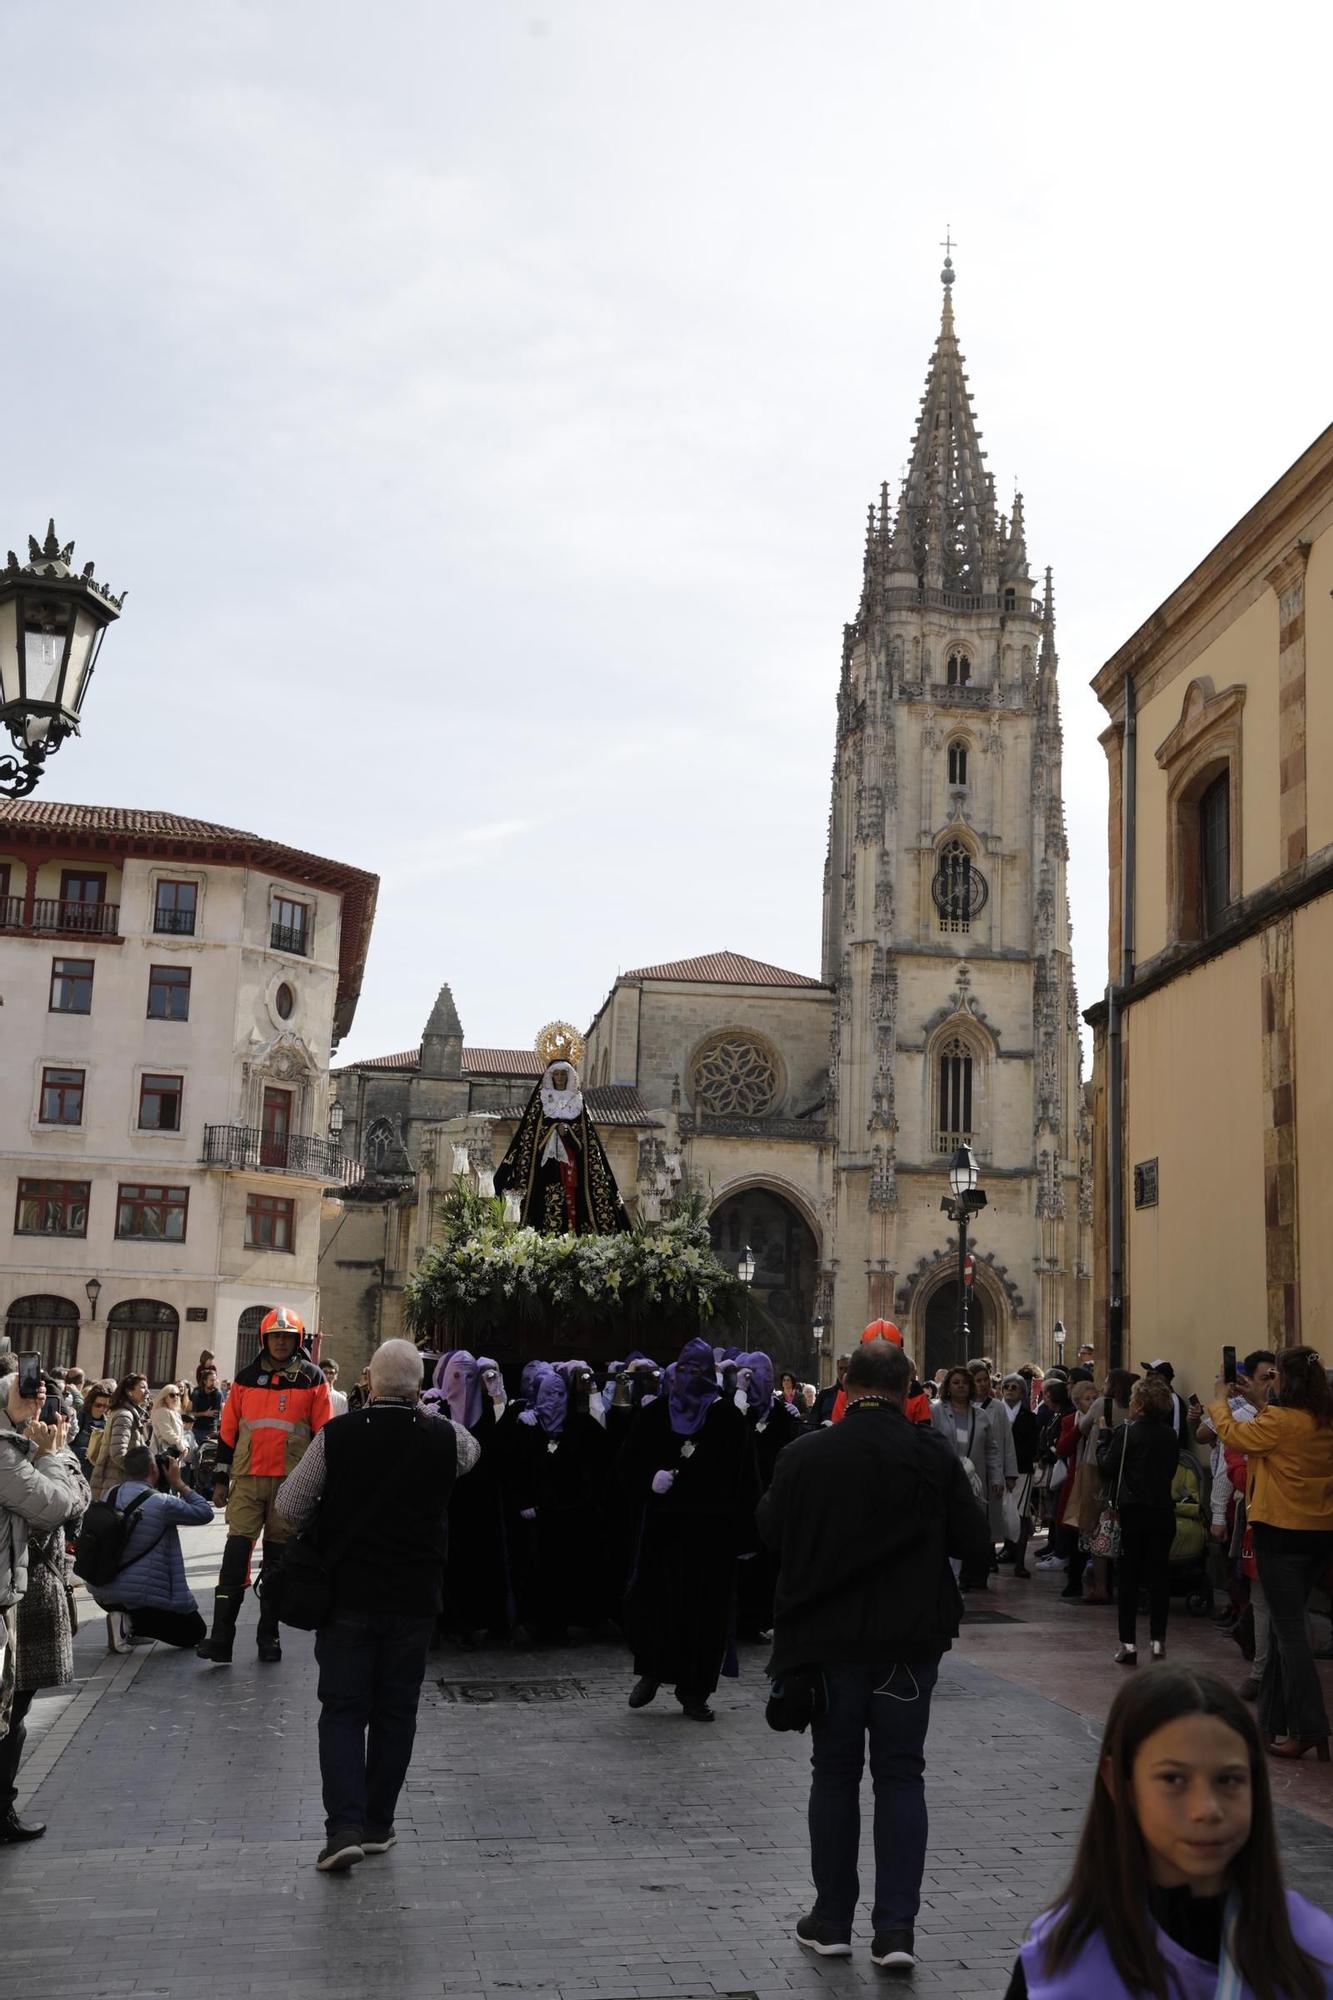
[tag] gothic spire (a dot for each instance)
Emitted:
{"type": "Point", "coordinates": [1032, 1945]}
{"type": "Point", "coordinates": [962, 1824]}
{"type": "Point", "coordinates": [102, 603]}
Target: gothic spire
{"type": "Point", "coordinates": [946, 496]}
{"type": "Point", "coordinates": [1048, 659]}
{"type": "Point", "coordinates": [1015, 567]}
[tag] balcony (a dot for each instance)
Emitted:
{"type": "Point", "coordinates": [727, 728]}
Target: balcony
{"type": "Point", "coordinates": [248, 1150]}
{"type": "Point", "coordinates": [54, 918]}
{"type": "Point", "coordinates": [175, 923]}
{"type": "Point", "coordinates": [289, 937]}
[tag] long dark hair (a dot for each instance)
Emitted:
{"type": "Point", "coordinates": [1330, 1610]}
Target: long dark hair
{"type": "Point", "coordinates": [120, 1395]}
{"type": "Point", "coordinates": [1107, 1890]}
{"type": "Point", "coordinates": [1303, 1385]}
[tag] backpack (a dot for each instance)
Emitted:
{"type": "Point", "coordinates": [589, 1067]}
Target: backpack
{"type": "Point", "coordinates": [103, 1537]}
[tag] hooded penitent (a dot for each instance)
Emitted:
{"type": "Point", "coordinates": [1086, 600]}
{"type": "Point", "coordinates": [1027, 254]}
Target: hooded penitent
{"type": "Point", "coordinates": [757, 1379]}
{"type": "Point", "coordinates": [693, 1389]}
{"type": "Point", "coordinates": [462, 1388]}
{"type": "Point", "coordinates": [552, 1403]}
{"type": "Point", "coordinates": [531, 1376]}
{"type": "Point", "coordinates": [437, 1379]}
{"type": "Point", "coordinates": [645, 1379]}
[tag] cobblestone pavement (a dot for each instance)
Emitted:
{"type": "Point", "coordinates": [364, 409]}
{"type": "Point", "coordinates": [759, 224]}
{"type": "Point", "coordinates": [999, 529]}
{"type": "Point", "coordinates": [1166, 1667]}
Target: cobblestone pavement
{"type": "Point", "coordinates": [550, 1842]}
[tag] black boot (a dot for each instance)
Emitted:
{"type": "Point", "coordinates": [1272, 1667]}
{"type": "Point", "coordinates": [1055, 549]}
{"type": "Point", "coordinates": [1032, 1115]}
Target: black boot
{"type": "Point", "coordinates": [269, 1592]}
{"type": "Point", "coordinates": [226, 1610]}
{"type": "Point", "coordinates": [12, 1828]}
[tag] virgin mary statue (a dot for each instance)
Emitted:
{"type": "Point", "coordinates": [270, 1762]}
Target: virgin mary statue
{"type": "Point", "coordinates": [556, 1163]}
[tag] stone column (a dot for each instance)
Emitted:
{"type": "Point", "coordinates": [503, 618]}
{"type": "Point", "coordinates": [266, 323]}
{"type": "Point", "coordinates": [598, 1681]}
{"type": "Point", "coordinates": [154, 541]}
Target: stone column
{"type": "Point", "coordinates": [1288, 580]}
{"type": "Point", "coordinates": [1278, 1056]}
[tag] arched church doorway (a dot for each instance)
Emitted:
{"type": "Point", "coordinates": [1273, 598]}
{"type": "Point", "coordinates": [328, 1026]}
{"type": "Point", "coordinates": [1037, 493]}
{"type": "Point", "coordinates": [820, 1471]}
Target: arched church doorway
{"type": "Point", "coordinates": [942, 1343]}
{"type": "Point", "coordinates": [786, 1262]}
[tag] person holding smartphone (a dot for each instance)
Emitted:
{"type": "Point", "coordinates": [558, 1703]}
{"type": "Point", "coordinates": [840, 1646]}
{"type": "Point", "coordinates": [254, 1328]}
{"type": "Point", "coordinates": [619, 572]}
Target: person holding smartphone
{"type": "Point", "coordinates": [41, 1488]}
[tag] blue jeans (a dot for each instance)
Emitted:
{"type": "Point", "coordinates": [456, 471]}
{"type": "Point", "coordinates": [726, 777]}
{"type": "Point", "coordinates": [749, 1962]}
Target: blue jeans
{"type": "Point", "coordinates": [891, 1702]}
{"type": "Point", "coordinates": [371, 1667]}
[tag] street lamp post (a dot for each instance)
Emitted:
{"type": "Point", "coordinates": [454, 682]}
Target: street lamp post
{"type": "Point", "coordinates": [745, 1272]}
{"type": "Point", "coordinates": [51, 628]}
{"type": "Point", "coordinates": [964, 1200]}
{"type": "Point", "coordinates": [94, 1290]}
{"type": "Point", "coordinates": [818, 1330]}
{"type": "Point", "coordinates": [1058, 1335]}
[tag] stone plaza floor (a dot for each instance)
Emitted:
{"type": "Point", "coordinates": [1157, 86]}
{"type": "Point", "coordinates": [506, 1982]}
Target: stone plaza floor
{"type": "Point", "coordinates": [550, 1841]}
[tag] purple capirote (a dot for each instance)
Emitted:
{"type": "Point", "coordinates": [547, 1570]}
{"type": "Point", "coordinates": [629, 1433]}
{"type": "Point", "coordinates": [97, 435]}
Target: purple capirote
{"type": "Point", "coordinates": [552, 1403]}
{"type": "Point", "coordinates": [693, 1388]}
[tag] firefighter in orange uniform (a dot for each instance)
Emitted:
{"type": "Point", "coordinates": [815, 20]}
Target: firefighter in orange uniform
{"type": "Point", "coordinates": [273, 1409]}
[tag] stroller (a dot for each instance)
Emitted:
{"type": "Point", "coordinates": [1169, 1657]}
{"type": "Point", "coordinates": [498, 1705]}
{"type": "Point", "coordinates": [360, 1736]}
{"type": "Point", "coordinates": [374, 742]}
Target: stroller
{"type": "Point", "coordinates": [1189, 1550]}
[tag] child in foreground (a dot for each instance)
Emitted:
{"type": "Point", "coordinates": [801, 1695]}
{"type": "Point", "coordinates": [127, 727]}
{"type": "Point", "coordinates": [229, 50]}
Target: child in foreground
{"type": "Point", "coordinates": [1176, 1890]}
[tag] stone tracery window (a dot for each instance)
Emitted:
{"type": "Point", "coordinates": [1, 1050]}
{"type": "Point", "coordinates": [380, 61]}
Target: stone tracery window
{"type": "Point", "coordinates": [735, 1076]}
{"type": "Point", "coordinates": [953, 1120]}
{"type": "Point", "coordinates": [959, 670]}
{"type": "Point", "coordinates": [959, 889]}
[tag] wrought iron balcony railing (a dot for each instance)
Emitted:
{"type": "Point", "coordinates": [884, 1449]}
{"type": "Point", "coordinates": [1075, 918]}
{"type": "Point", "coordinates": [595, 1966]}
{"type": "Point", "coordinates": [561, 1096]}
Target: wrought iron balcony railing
{"type": "Point", "coordinates": [289, 937]}
{"type": "Point", "coordinates": [296, 1153]}
{"type": "Point", "coordinates": [180, 923]}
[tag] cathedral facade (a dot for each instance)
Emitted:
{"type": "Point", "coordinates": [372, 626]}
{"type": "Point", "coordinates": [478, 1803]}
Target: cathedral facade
{"type": "Point", "coordinates": [819, 1112]}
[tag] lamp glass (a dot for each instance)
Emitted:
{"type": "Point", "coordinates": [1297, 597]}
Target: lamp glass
{"type": "Point", "coordinates": [964, 1172]}
{"type": "Point", "coordinates": [9, 652]}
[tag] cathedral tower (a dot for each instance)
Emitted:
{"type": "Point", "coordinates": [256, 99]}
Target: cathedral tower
{"type": "Point", "coordinates": [946, 927]}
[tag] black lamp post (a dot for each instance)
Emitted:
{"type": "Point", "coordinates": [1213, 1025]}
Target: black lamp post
{"type": "Point", "coordinates": [745, 1272]}
{"type": "Point", "coordinates": [94, 1290]}
{"type": "Point", "coordinates": [51, 627]}
{"type": "Point", "coordinates": [966, 1199]}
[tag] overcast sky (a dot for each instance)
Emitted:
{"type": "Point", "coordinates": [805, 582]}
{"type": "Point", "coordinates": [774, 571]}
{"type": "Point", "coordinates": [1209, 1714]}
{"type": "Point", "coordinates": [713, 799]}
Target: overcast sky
{"type": "Point", "coordinates": [481, 402]}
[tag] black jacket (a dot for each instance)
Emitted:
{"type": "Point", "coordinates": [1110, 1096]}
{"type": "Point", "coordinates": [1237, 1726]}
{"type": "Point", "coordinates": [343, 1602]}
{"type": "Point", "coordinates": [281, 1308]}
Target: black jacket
{"type": "Point", "coordinates": [864, 1517]}
{"type": "Point", "coordinates": [381, 1526]}
{"type": "Point", "coordinates": [1024, 1431]}
{"type": "Point", "coordinates": [1151, 1453]}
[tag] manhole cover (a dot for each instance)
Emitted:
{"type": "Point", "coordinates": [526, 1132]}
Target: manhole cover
{"type": "Point", "coordinates": [488, 1691]}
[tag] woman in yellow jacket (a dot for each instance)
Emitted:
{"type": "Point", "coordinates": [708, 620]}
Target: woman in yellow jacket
{"type": "Point", "coordinates": [1289, 1505]}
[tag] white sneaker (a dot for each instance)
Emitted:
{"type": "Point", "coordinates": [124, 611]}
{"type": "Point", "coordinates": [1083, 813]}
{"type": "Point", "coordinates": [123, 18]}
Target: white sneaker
{"type": "Point", "coordinates": [1051, 1562]}
{"type": "Point", "coordinates": [118, 1633]}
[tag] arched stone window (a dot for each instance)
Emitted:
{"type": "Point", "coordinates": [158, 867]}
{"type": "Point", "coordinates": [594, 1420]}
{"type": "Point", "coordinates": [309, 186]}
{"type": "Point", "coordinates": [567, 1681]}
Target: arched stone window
{"type": "Point", "coordinates": [958, 763]}
{"type": "Point", "coordinates": [959, 888]}
{"type": "Point", "coordinates": [735, 1075]}
{"type": "Point", "coordinates": [954, 1095]}
{"type": "Point", "coordinates": [379, 1143]}
{"type": "Point", "coordinates": [247, 1334]}
{"type": "Point", "coordinates": [1202, 761]}
{"type": "Point", "coordinates": [44, 1325]}
{"type": "Point", "coordinates": [959, 670]}
{"type": "Point", "coordinates": [141, 1340]}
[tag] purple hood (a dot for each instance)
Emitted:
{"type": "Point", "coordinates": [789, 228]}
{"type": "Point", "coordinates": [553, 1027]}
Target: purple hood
{"type": "Point", "coordinates": [693, 1389]}
{"type": "Point", "coordinates": [462, 1388]}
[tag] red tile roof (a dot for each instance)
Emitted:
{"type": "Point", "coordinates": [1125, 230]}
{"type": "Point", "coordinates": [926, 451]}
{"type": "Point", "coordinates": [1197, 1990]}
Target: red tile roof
{"type": "Point", "coordinates": [476, 1062]}
{"type": "Point", "coordinates": [723, 968]}
{"type": "Point", "coordinates": [84, 829]}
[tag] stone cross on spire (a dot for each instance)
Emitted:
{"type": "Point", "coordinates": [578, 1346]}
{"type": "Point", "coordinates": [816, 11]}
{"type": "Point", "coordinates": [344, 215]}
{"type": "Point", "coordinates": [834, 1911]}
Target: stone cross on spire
{"type": "Point", "coordinates": [946, 515]}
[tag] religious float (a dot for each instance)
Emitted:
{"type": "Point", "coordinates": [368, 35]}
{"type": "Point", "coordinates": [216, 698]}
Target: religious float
{"type": "Point", "coordinates": [551, 1264]}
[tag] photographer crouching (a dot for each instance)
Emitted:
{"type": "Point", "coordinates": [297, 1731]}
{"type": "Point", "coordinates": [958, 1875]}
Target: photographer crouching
{"type": "Point", "coordinates": [41, 1488]}
{"type": "Point", "coordinates": [149, 1597]}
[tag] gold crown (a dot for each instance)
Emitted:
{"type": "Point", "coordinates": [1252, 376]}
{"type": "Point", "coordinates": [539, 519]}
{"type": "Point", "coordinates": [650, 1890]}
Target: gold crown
{"type": "Point", "coordinates": [559, 1042]}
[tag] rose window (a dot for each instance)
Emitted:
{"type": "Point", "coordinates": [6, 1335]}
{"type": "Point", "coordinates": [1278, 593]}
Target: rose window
{"type": "Point", "coordinates": [735, 1077]}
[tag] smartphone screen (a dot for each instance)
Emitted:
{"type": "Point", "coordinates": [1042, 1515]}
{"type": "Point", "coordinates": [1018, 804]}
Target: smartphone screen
{"type": "Point", "coordinates": [1228, 1364]}
{"type": "Point", "coordinates": [31, 1379]}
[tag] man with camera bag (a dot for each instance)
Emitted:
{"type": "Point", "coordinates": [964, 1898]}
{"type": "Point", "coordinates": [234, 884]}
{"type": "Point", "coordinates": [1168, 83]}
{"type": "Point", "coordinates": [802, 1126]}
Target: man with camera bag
{"type": "Point", "coordinates": [865, 1516]}
{"type": "Point", "coordinates": [149, 1596]}
{"type": "Point", "coordinates": [373, 1493]}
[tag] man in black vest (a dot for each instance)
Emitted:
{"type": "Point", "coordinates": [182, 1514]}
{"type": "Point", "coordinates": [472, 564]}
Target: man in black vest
{"type": "Point", "coordinates": [865, 1516]}
{"type": "Point", "coordinates": [375, 1484]}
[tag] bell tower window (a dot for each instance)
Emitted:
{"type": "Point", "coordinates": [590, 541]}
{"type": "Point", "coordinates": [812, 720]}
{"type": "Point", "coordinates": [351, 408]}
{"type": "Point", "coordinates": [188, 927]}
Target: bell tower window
{"type": "Point", "coordinates": [959, 888]}
{"type": "Point", "coordinates": [954, 1120]}
{"type": "Point", "coordinates": [958, 763]}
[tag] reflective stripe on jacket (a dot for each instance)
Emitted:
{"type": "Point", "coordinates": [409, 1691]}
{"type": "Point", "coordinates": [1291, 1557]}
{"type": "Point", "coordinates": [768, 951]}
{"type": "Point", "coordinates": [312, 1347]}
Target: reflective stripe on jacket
{"type": "Point", "coordinates": [268, 1420]}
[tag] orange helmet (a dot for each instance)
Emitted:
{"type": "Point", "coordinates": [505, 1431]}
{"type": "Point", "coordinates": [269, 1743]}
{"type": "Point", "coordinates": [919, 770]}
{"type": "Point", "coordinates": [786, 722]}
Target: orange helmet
{"type": "Point", "coordinates": [282, 1320]}
{"type": "Point", "coordinates": [882, 1329]}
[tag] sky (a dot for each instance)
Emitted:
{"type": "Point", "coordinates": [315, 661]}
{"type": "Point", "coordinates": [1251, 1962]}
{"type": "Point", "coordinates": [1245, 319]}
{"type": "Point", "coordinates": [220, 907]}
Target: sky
{"type": "Point", "coordinates": [480, 404]}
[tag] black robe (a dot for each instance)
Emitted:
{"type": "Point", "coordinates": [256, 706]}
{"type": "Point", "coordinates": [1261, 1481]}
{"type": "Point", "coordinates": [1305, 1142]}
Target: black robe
{"type": "Point", "coordinates": [680, 1602]}
{"type": "Point", "coordinates": [476, 1581]}
{"type": "Point", "coordinates": [756, 1578]}
{"type": "Point", "coordinates": [560, 1558]}
{"type": "Point", "coordinates": [598, 1209]}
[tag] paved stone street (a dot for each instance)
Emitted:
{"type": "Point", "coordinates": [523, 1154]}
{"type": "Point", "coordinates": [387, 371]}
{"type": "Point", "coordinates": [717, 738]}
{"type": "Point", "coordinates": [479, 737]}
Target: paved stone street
{"type": "Point", "coordinates": [558, 1845]}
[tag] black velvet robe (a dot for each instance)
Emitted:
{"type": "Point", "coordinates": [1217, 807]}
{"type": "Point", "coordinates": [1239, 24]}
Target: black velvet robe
{"type": "Point", "coordinates": [476, 1581]}
{"type": "Point", "coordinates": [560, 1559]}
{"type": "Point", "coordinates": [756, 1579]}
{"type": "Point", "coordinates": [598, 1209]}
{"type": "Point", "coordinates": [680, 1603]}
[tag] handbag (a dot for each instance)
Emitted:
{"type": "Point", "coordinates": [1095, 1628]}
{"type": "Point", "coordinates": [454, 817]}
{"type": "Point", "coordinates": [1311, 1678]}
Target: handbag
{"type": "Point", "coordinates": [1105, 1537]}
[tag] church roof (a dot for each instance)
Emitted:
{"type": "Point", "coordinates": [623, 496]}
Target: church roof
{"type": "Point", "coordinates": [723, 968]}
{"type": "Point", "coordinates": [476, 1062]}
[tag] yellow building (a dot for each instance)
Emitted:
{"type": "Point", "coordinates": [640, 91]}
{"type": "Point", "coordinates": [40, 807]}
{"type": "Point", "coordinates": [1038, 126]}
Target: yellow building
{"type": "Point", "coordinates": [1213, 1074]}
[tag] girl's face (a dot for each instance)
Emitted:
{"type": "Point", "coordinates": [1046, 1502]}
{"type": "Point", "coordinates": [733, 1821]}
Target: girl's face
{"type": "Point", "coordinates": [958, 1388]}
{"type": "Point", "coordinates": [1191, 1793]}
{"type": "Point", "coordinates": [97, 1406]}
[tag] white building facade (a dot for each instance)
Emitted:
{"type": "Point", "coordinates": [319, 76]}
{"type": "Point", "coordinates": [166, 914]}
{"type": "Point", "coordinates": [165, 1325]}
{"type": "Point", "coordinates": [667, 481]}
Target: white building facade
{"type": "Point", "coordinates": [171, 992]}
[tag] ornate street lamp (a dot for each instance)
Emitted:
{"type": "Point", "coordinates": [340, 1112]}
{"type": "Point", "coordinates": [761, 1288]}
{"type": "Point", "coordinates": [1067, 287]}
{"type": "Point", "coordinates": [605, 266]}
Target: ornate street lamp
{"type": "Point", "coordinates": [51, 627]}
{"type": "Point", "coordinates": [745, 1272]}
{"type": "Point", "coordinates": [964, 1200]}
{"type": "Point", "coordinates": [94, 1291]}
